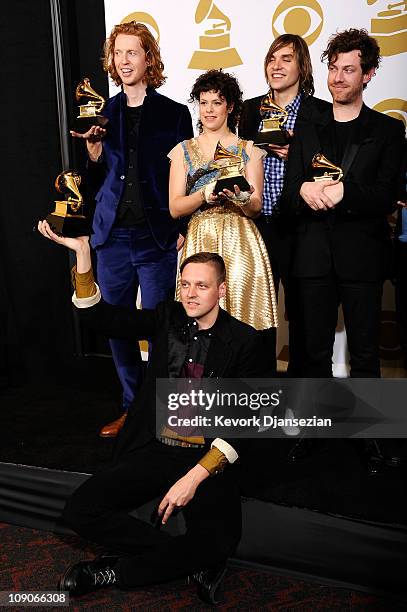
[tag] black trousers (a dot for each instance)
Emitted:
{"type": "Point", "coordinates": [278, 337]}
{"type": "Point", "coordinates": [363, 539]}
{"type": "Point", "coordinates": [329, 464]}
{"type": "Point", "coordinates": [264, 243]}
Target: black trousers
{"type": "Point", "coordinates": [361, 303]}
{"type": "Point", "coordinates": [99, 511]}
{"type": "Point", "coordinates": [401, 295]}
{"type": "Point", "coordinates": [279, 243]}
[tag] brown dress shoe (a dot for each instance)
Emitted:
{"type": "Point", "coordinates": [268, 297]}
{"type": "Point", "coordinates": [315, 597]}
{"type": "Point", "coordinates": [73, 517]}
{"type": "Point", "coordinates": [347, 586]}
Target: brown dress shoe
{"type": "Point", "coordinates": [112, 429]}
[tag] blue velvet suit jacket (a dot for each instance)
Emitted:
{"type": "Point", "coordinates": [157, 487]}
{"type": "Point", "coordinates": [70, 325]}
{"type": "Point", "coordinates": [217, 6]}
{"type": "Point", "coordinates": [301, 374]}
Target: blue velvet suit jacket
{"type": "Point", "coordinates": [164, 123]}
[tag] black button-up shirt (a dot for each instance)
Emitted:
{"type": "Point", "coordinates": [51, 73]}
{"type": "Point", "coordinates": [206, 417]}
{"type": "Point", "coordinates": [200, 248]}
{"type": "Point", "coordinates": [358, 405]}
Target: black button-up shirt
{"type": "Point", "coordinates": [130, 210]}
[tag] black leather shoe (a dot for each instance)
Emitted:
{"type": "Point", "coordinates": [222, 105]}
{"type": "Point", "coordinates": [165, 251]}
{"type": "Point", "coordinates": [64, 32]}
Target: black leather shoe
{"type": "Point", "coordinates": [374, 459]}
{"type": "Point", "coordinates": [208, 583]}
{"type": "Point", "coordinates": [87, 576]}
{"type": "Point", "coordinates": [301, 449]}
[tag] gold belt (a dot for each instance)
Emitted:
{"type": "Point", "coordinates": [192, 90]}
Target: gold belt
{"type": "Point", "coordinates": [222, 209]}
{"type": "Point", "coordinates": [175, 442]}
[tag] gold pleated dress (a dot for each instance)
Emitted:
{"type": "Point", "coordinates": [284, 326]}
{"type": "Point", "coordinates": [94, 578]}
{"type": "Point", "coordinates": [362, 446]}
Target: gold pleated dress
{"type": "Point", "coordinates": [226, 230]}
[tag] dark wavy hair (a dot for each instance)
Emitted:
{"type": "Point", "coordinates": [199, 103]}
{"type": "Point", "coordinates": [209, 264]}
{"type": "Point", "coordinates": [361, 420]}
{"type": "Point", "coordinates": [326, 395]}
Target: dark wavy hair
{"type": "Point", "coordinates": [227, 86]}
{"type": "Point", "coordinates": [351, 40]}
{"type": "Point", "coordinates": [154, 76]}
{"type": "Point", "coordinates": [302, 55]}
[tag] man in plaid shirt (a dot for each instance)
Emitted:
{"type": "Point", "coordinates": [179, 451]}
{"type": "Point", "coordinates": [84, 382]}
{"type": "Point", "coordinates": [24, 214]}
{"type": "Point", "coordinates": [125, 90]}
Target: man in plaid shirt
{"type": "Point", "coordinates": [288, 71]}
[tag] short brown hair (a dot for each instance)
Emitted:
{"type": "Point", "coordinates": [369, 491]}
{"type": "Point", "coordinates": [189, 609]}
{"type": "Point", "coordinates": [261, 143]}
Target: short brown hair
{"type": "Point", "coordinates": [206, 257]}
{"type": "Point", "coordinates": [302, 55]}
{"type": "Point", "coordinates": [351, 40]}
{"type": "Point", "coordinates": [154, 76]}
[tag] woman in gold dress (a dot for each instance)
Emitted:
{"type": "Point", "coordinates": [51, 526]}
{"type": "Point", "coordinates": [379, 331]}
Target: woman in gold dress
{"type": "Point", "coordinates": [222, 223]}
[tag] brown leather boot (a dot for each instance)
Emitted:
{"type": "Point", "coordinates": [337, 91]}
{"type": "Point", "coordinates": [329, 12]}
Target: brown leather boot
{"type": "Point", "coordinates": [112, 429]}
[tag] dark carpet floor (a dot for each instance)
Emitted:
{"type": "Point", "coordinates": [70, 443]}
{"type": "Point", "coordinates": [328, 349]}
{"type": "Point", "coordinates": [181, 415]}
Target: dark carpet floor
{"type": "Point", "coordinates": [33, 560]}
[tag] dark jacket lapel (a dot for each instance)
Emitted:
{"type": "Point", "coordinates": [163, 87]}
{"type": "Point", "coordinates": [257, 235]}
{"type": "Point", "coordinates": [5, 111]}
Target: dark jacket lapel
{"type": "Point", "coordinates": [177, 344]}
{"type": "Point", "coordinates": [250, 118]}
{"type": "Point", "coordinates": [315, 134]}
{"type": "Point", "coordinates": [116, 114]}
{"type": "Point", "coordinates": [220, 353]}
{"type": "Point", "coordinates": [358, 136]}
{"type": "Point", "coordinates": [149, 118]}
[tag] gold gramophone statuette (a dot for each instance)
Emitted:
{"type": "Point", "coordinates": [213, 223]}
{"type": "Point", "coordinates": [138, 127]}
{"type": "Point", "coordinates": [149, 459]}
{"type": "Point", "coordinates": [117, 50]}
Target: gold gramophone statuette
{"type": "Point", "coordinates": [95, 103]}
{"type": "Point", "coordinates": [271, 129]}
{"type": "Point", "coordinates": [215, 50]}
{"type": "Point", "coordinates": [389, 27]}
{"type": "Point", "coordinates": [230, 166]}
{"type": "Point", "coordinates": [68, 218]}
{"type": "Point", "coordinates": [325, 170]}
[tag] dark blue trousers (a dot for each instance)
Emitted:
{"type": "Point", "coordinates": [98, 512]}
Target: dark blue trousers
{"type": "Point", "coordinates": [130, 259]}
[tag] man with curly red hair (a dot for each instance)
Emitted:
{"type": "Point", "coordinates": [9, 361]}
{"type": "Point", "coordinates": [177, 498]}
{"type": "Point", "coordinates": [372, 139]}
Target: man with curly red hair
{"type": "Point", "coordinates": [133, 233]}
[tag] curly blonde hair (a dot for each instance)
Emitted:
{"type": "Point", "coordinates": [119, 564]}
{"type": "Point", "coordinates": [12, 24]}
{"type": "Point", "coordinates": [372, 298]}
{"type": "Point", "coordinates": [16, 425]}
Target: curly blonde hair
{"type": "Point", "coordinates": [154, 76]}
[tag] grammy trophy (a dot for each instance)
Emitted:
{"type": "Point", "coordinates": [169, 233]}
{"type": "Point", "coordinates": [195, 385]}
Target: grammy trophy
{"type": "Point", "coordinates": [230, 166]}
{"type": "Point", "coordinates": [90, 112]}
{"type": "Point", "coordinates": [68, 219]}
{"type": "Point", "coordinates": [271, 129]}
{"type": "Point", "coordinates": [324, 169]}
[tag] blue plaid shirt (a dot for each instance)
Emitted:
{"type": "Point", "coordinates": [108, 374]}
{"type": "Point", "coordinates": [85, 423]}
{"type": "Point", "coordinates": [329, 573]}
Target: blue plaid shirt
{"type": "Point", "coordinates": [274, 167]}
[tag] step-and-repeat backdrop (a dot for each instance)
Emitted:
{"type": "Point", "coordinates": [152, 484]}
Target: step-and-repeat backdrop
{"type": "Point", "coordinates": [196, 35]}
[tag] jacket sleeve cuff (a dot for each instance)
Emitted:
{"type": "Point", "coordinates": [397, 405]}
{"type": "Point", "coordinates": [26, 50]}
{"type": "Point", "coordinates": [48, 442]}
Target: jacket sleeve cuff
{"type": "Point", "coordinates": [214, 461]}
{"type": "Point", "coordinates": [228, 450]}
{"type": "Point", "coordinates": [83, 283]}
{"type": "Point", "coordinates": [87, 302]}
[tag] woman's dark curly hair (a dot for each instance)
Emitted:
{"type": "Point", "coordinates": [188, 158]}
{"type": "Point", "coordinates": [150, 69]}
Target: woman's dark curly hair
{"type": "Point", "coordinates": [351, 40]}
{"type": "Point", "coordinates": [227, 87]}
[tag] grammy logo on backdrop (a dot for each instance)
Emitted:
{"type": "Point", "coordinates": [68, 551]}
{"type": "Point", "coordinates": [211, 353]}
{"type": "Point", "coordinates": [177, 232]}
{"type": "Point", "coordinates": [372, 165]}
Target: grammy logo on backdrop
{"type": "Point", "coordinates": [214, 46]}
{"type": "Point", "coordinates": [395, 107]}
{"type": "Point", "coordinates": [389, 28]}
{"type": "Point", "coordinates": [146, 19]}
{"type": "Point", "coordinates": [302, 17]}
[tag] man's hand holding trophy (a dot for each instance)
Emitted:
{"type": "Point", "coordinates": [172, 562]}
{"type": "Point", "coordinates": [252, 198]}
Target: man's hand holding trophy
{"type": "Point", "coordinates": [325, 190]}
{"type": "Point", "coordinates": [68, 219]}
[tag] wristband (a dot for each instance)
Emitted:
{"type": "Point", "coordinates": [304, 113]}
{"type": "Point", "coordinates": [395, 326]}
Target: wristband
{"type": "Point", "coordinates": [242, 199]}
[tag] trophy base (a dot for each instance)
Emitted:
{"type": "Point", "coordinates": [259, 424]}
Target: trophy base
{"type": "Point", "coordinates": [83, 124]}
{"type": "Point", "coordinates": [229, 182]}
{"type": "Point", "coordinates": [275, 137]}
{"type": "Point", "coordinates": [69, 227]}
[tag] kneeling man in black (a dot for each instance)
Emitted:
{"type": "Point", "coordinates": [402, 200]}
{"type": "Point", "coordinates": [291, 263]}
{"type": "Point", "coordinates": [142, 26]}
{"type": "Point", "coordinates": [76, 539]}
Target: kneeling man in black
{"type": "Point", "coordinates": [192, 339]}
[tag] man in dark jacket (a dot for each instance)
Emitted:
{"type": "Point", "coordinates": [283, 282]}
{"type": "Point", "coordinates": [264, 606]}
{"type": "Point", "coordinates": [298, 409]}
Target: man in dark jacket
{"type": "Point", "coordinates": [342, 250]}
{"type": "Point", "coordinates": [288, 72]}
{"type": "Point", "coordinates": [134, 234]}
{"type": "Point", "coordinates": [194, 339]}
